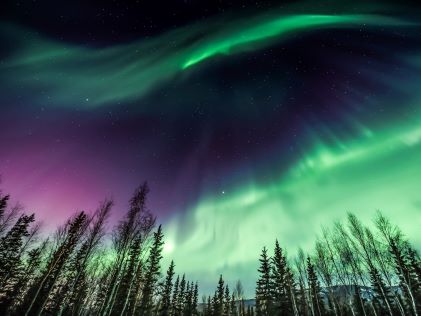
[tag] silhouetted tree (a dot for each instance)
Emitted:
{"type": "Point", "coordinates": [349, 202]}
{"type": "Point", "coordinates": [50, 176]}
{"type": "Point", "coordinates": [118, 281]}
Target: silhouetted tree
{"type": "Point", "coordinates": [195, 298]}
{"type": "Point", "coordinates": [218, 306]}
{"type": "Point", "coordinates": [407, 278]}
{"type": "Point", "coordinates": [10, 250]}
{"type": "Point", "coordinates": [138, 220]}
{"type": "Point", "coordinates": [264, 302]}
{"type": "Point", "coordinates": [3, 205]}
{"type": "Point", "coordinates": [38, 295]}
{"type": "Point", "coordinates": [381, 293]}
{"type": "Point", "coordinates": [282, 284]}
{"type": "Point", "coordinates": [227, 302]}
{"type": "Point", "coordinates": [7, 217]}
{"type": "Point", "coordinates": [165, 308]}
{"type": "Point", "coordinates": [152, 273]}
{"type": "Point", "coordinates": [302, 297]}
{"type": "Point", "coordinates": [362, 271]}
{"type": "Point", "coordinates": [316, 300]}
{"type": "Point", "coordinates": [72, 301]}
{"type": "Point", "coordinates": [174, 301]}
{"type": "Point", "coordinates": [15, 273]}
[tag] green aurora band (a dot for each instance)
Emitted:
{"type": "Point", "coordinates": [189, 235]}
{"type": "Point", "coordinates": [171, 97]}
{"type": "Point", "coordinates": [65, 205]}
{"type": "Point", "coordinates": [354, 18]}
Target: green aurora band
{"type": "Point", "coordinates": [376, 171]}
{"type": "Point", "coordinates": [67, 75]}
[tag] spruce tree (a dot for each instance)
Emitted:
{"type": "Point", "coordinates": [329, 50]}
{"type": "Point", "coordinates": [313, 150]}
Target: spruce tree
{"type": "Point", "coordinates": [316, 300]}
{"type": "Point", "coordinates": [3, 217]}
{"type": "Point", "coordinates": [181, 294]}
{"type": "Point", "coordinates": [38, 295]}
{"type": "Point", "coordinates": [415, 263]}
{"type": "Point", "coordinates": [281, 283]}
{"type": "Point", "coordinates": [216, 310]}
{"type": "Point", "coordinates": [233, 306]}
{"type": "Point", "coordinates": [3, 204]}
{"type": "Point", "coordinates": [406, 276]}
{"type": "Point", "coordinates": [22, 281]}
{"type": "Point", "coordinates": [174, 302]}
{"type": "Point", "coordinates": [79, 263]}
{"type": "Point", "coordinates": [263, 289]}
{"type": "Point", "coordinates": [152, 273]}
{"type": "Point", "coordinates": [195, 298]}
{"type": "Point", "coordinates": [381, 293]}
{"type": "Point", "coordinates": [227, 302]}
{"type": "Point", "coordinates": [165, 308]}
{"type": "Point", "coordinates": [209, 311]}
{"type": "Point", "coordinates": [219, 298]}
{"type": "Point", "coordinates": [137, 221]}
{"type": "Point", "coordinates": [187, 300]}
{"type": "Point", "coordinates": [415, 266]}
{"type": "Point", "coordinates": [126, 282]}
{"type": "Point", "coordinates": [10, 250]}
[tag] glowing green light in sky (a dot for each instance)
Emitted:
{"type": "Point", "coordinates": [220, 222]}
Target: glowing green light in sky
{"type": "Point", "coordinates": [63, 74]}
{"type": "Point", "coordinates": [378, 171]}
{"type": "Point", "coordinates": [277, 27]}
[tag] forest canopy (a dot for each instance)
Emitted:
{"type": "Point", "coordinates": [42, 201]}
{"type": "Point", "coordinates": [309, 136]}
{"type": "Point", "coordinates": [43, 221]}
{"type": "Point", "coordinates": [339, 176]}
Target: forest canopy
{"type": "Point", "coordinates": [85, 269]}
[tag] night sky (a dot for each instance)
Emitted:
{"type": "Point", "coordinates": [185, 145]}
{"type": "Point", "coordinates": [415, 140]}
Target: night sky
{"type": "Point", "coordinates": [250, 120]}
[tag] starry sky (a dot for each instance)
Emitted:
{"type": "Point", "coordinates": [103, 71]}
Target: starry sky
{"type": "Point", "coordinates": [250, 120]}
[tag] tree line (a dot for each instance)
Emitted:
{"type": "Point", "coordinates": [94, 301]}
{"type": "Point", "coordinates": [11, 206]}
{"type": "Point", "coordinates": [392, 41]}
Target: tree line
{"type": "Point", "coordinates": [83, 269]}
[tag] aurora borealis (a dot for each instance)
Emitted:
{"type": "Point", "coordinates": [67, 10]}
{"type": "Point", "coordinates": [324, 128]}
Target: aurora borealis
{"type": "Point", "coordinates": [71, 74]}
{"type": "Point", "coordinates": [250, 122]}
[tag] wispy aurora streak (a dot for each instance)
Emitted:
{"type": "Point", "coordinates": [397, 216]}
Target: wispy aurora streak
{"type": "Point", "coordinates": [378, 171]}
{"type": "Point", "coordinates": [69, 75]}
{"type": "Point", "coordinates": [270, 31]}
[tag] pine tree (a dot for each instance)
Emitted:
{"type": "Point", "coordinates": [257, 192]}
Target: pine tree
{"type": "Point", "coordinates": [11, 251]}
{"type": "Point", "coordinates": [195, 298]}
{"type": "Point", "coordinates": [3, 204]}
{"type": "Point", "coordinates": [209, 311]}
{"type": "Point", "coordinates": [227, 302]}
{"type": "Point", "coordinates": [165, 308]}
{"type": "Point", "coordinates": [152, 273]}
{"type": "Point", "coordinates": [28, 273]}
{"type": "Point", "coordinates": [381, 293]}
{"type": "Point", "coordinates": [78, 264]}
{"type": "Point", "coordinates": [190, 299]}
{"type": "Point", "coordinates": [126, 283]}
{"type": "Point", "coordinates": [415, 266]}
{"type": "Point", "coordinates": [174, 302]}
{"type": "Point", "coordinates": [238, 296]}
{"type": "Point", "coordinates": [281, 286]}
{"type": "Point", "coordinates": [316, 300]}
{"type": "Point", "coordinates": [233, 306]}
{"type": "Point", "coordinates": [136, 285]}
{"type": "Point", "coordinates": [406, 277]}
{"type": "Point", "coordinates": [264, 301]}
{"type": "Point", "coordinates": [137, 222]}
{"type": "Point", "coordinates": [181, 295]}
{"type": "Point", "coordinates": [216, 311]}
{"type": "Point", "coordinates": [4, 220]}
{"type": "Point", "coordinates": [219, 298]}
{"type": "Point", "coordinates": [415, 263]}
{"type": "Point", "coordinates": [38, 295]}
